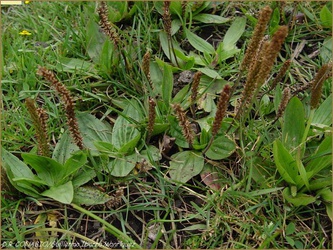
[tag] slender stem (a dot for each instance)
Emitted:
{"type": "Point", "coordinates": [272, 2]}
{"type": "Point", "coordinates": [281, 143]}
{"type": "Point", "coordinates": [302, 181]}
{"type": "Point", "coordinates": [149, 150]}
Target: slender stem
{"type": "Point", "coordinates": [116, 232]}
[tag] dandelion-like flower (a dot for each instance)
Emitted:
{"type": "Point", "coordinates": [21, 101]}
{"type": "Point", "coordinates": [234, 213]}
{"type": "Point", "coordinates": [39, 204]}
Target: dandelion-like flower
{"type": "Point", "coordinates": [25, 33]}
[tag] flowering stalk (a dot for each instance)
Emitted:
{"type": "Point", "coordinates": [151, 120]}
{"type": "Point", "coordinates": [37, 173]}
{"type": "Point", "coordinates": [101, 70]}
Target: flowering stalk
{"type": "Point", "coordinates": [146, 68]}
{"type": "Point", "coordinates": [167, 27]}
{"type": "Point", "coordinates": [317, 85]}
{"type": "Point", "coordinates": [39, 119]}
{"type": "Point", "coordinates": [167, 18]}
{"type": "Point", "coordinates": [258, 34]}
{"type": "Point", "coordinates": [283, 104]}
{"type": "Point", "coordinates": [271, 54]}
{"type": "Point", "coordinates": [279, 76]}
{"type": "Point", "coordinates": [104, 23]}
{"type": "Point", "coordinates": [151, 118]}
{"type": "Point", "coordinates": [68, 102]}
{"type": "Point", "coordinates": [194, 90]}
{"type": "Point", "coordinates": [261, 69]}
{"type": "Point", "coordinates": [184, 124]}
{"type": "Point", "coordinates": [221, 109]}
{"type": "Point", "coordinates": [253, 49]}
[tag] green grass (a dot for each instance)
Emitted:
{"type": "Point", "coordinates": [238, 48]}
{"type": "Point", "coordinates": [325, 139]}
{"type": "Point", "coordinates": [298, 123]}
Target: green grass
{"type": "Point", "coordinates": [247, 211]}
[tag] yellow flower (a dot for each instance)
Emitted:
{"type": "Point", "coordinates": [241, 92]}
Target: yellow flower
{"type": "Point", "coordinates": [25, 33]}
{"type": "Point", "coordinates": [26, 2]}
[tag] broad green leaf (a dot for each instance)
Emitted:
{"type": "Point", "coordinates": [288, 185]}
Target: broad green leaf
{"type": "Point", "coordinates": [95, 40]}
{"type": "Point", "coordinates": [198, 60]}
{"type": "Point", "coordinates": [106, 148]}
{"type": "Point", "coordinates": [322, 158]}
{"type": "Point", "coordinates": [291, 228]}
{"type": "Point", "coordinates": [29, 187]}
{"type": "Point", "coordinates": [320, 183]}
{"type": "Point", "coordinates": [92, 129]}
{"type": "Point", "coordinates": [299, 200]}
{"type": "Point", "coordinates": [275, 21]}
{"type": "Point", "coordinates": [108, 58]}
{"type": "Point", "coordinates": [176, 132]}
{"type": "Point", "coordinates": [285, 163]}
{"type": "Point", "coordinates": [46, 168]}
{"type": "Point", "coordinates": [176, 8]}
{"type": "Point", "coordinates": [323, 114]}
{"type": "Point", "coordinates": [151, 154]}
{"type": "Point", "coordinates": [209, 18]}
{"type": "Point", "coordinates": [130, 145]}
{"type": "Point", "coordinates": [63, 193]}
{"type": "Point", "coordinates": [224, 54]}
{"type": "Point", "coordinates": [175, 26]}
{"type": "Point", "coordinates": [117, 10]}
{"type": "Point", "coordinates": [303, 174]}
{"type": "Point", "coordinates": [206, 102]}
{"type": "Point", "coordinates": [84, 175]}
{"type": "Point", "coordinates": [326, 50]}
{"type": "Point", "coordinates": [17, 167]}
{"type": "Point", "coordinates": [155, 75]}
{"type": "Point", "coordinates": [181, 96]}
{"type": "Point", "coordinates": [221, 148]}
{"type": "Point", "coordinates": [75, 163]}
{"type": "Point", "coordinates": [125, 135]}
{"type": "Point", "coordinates": [294, 125]}
{"type": "Point", "coordinates": [290, 240]}
{"type": "Point", "coordinates": [185, 165]}
{"type": "Point", "coordinates": [74, 65]}
{"type": "Point", "coordinates": [326, 17]}
{"type": "Point", "coordinates": [167, 48]}
{"type": "Point", "coordinates": [325, 194]}
{"type": "Point", "coordinates": [121, 167]}
{"type": "Point", "coordinates": [209, 72]}
{"type": "Point", "coordinates": [198, 43]}
{"type": "Point", "coordinates": [160, 128]}
{"type": "Point", "coordinates": [233, 34]}
{"type": "Point", "coordinates": [20, 175]}
{"type": "Point", "coordinates": [89, 196]}
{"type": "Point", "coordinates": [64, 148]}
{"type": "Point", "coordinates": [36, 181]}
{"type": "Point", "coordinates": [167, 84]}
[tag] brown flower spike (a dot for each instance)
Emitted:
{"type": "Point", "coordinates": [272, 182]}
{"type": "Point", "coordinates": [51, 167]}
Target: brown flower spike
{"type": "Point", "coordinates": [222, 106]}
{"type": "Point", "coordinates": [151, 118]}
{"type": "Point", "coordinates": [317, 85]}
{"type": "Point", "coordinates": [280, 75]}
{"type": "Point", "coordinates": [271, 54]}
{"type": "Point", "coordinates": [145, 67]}
{"type": "Point", "coordinates": [184, 124]}
{"type": "Point", "coordinates": [68, 102]}
{"type": "Point", "coordinates": [258, 34]}
{"type": "Point", "coordinates": [167, 18]}
{"type": "Point", "coordinates": [104, 23]}
{"type": "Point", "coordinates": [283, 104]}
{"type": "Point", "coordinates": [39, 119]}
{"type": "Point", "coordinates": [194, 90]}
{"type": "Point", "coordinates": [221, 109]}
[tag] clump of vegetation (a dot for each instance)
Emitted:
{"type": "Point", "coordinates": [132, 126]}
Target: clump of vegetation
{"type": "Point", "coordinates": [172, 125]}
